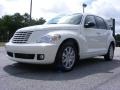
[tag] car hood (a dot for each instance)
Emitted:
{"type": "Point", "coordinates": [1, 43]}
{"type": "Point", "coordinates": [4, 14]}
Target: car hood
{"type": "Point", "coordinates": [51, 27]}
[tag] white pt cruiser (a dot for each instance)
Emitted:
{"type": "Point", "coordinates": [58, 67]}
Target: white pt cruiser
{"type": "Point", "coordinates": [62, 41]}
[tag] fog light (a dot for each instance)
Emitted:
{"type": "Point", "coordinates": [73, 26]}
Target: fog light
{"type": "Point", "coordinates": [10, 54]}
{"type": "Point", "coordinates": [40, 57]}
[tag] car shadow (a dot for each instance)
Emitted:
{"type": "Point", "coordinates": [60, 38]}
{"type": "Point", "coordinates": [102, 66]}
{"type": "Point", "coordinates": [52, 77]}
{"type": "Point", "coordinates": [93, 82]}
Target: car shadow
{"type": "Point", "coordinates": [46, 72]}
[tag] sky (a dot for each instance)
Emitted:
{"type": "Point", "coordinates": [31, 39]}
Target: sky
{"type": "Point", "coordinates": [50, 8]}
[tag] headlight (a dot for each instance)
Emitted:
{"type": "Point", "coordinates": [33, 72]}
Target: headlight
{"type": "Point", "coordinates": [49, 38]}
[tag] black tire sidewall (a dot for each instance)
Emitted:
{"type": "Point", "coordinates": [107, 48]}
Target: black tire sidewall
{"type": "Point", "coordinates": [107, 56]}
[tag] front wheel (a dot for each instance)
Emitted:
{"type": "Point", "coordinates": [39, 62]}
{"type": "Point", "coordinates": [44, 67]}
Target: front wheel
{"type": "Point", "coordinates": [110, 54]}
{"type": "Point", "coordinates": [66, 57]}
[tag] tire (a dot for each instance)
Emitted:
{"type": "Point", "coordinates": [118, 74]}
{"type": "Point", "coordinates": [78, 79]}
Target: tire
{"type": "Point", "coordinates": [66, 57]}
{"type": "Point", "coordinates": [110, 54]}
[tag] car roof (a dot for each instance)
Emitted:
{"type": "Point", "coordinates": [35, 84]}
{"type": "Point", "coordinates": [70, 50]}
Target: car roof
{"type": "Point", "coordinates": [84, 14]}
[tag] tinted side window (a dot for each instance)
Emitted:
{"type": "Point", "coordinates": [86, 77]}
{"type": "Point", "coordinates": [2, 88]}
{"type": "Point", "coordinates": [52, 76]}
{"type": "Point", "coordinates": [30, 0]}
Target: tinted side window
{"type": "Point", "coordinates": [100, 23]}
{"type": "Point", "coordinates": [90, 18]}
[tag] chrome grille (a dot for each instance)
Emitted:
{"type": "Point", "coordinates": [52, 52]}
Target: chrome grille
{"type": "Point", "coordinates": [21, 37]}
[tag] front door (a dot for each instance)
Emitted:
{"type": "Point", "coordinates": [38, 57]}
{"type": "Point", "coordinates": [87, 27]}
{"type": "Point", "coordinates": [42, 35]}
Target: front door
{"type": "Point", "coordinates": [90, 33]}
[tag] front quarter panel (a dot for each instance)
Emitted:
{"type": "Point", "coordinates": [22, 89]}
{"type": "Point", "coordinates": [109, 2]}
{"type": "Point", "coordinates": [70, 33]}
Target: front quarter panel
{"type": "Point", "coordinates": [74, 34]}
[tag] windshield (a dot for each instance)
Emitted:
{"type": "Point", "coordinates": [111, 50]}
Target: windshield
{"type": "Point", "coordinates": [66, 19]}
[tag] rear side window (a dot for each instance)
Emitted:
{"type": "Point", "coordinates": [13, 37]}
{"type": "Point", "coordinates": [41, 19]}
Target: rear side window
{"type": "Point", "coordinates": [90, 18]}
{"type": "Point", "coordinates": [100, 23]}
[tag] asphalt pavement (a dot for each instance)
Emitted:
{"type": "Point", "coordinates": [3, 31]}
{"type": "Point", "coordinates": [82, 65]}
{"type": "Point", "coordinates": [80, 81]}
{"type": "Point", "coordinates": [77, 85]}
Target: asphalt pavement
{"type": "Point", "coordinates": [89, 74]}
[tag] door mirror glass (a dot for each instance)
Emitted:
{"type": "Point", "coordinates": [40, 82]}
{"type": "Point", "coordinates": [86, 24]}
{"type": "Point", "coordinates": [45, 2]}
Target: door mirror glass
{"type": "Point", "coordinates": [89, 24]}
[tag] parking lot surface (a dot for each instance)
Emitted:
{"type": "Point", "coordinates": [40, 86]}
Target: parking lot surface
{"type": "Point", "coordinates": [89, 74]}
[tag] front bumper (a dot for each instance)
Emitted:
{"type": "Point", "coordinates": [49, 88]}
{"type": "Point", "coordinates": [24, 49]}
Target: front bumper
{"type": "Point", "coordinates": [48, 50]}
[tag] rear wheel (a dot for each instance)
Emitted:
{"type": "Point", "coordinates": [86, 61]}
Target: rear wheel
{"type": "Point", "coordinates": [110, 54]}
{"type": "Point", "coordinates": [66, 56]}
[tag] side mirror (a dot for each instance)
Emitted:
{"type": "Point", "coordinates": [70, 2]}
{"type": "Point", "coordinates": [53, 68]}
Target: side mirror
{"type": "Point", "coordinates": [89, 24]}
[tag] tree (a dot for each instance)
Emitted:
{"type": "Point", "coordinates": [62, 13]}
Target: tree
{"type": "Point", "coordinates": [117, 37]}
{"type": "Point", "coordinates": [10, 23]}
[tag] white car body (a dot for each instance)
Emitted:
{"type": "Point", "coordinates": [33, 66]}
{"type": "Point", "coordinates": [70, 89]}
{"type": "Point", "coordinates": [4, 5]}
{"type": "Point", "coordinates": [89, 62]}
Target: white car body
{"type": "Point", "coordinates": [91, 42]}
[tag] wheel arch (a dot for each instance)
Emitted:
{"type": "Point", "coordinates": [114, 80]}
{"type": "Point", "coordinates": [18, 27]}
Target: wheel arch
{"type": "Point", "coordinates": [113, 43]}
{"type": "Point", "coordinates": [69, 40]}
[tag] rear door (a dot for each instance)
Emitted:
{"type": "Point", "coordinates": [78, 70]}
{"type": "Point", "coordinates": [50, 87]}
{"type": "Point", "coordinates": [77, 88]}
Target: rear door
{"type": "Point", "coordinates": [102, 32]}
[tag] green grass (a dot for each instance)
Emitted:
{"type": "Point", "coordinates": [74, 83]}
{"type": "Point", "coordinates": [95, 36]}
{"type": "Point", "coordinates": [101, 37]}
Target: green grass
{"type": "Point", "coordinates": [2, 44]}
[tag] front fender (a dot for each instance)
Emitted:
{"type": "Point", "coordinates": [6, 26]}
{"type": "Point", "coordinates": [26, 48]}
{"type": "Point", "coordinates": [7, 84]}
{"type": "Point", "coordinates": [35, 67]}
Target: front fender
{"type": "Point", "coordinates": [76, 35]}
